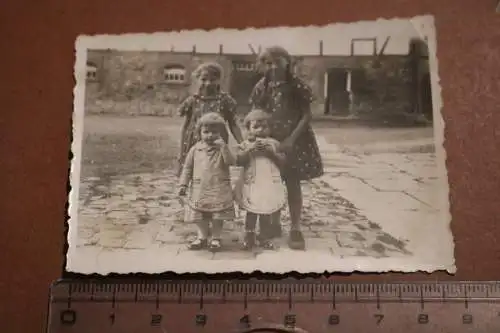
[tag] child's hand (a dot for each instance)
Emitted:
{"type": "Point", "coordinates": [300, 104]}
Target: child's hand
{"type": "Point", "coordinates": [286, 145]}
{"type": "Point", "coordinates": [261, 146]}
{"type": "Point", "coordinates": [251, 147]}
{"type": "Point", "coordinates": [182, 191]}
{"type": "Point", "coordinates": [219, 143]}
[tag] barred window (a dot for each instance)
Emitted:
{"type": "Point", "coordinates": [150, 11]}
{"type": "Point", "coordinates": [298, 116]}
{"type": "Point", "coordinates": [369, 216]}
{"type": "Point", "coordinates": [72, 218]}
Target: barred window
{"type": "Point", "coordinates": [91, 71]}
{"type": "Point", "coordinates": [174, 74]}
{"type": "Point", "coordinates": [244, 66]}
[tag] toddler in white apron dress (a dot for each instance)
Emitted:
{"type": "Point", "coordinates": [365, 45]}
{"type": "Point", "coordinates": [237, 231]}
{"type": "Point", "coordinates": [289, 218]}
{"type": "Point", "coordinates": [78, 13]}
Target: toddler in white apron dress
{"type": "Point", "coordinates": [260, 191]}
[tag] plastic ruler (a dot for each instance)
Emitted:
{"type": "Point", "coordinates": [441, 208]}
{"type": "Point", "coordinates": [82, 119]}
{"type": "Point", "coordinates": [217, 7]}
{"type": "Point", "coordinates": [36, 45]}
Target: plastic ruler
{"type": "Point", "coordinates": [314, 306]}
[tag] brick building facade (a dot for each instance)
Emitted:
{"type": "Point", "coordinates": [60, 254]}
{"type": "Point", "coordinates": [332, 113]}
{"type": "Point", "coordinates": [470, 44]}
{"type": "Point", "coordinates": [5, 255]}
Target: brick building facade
{"type": "Point", "coordinates": [380, 86]}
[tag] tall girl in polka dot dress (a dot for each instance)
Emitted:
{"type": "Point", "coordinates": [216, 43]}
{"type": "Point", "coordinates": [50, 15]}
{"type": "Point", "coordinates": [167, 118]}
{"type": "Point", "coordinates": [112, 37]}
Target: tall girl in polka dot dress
{"type": "Point", "coordinates": [288, 100]}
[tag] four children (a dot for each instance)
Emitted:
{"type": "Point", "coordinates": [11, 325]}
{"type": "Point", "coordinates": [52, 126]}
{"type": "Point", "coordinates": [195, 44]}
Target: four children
{"type": "Point", "coordinates": [279, 151]}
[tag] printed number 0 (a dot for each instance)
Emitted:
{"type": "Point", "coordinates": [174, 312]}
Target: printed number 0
{"type": "Point", "coordinates": [68, 317]}
{"type": "Point", "coordinates": [423, 318]}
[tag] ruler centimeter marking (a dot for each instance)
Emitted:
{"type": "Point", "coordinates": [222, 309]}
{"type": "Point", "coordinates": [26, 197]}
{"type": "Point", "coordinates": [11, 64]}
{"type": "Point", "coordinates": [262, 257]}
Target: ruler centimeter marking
{"type": "Point", "coordinates": [381, 301]}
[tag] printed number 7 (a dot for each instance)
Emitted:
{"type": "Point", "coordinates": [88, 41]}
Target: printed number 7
{"type": "Point", "coordinates": [379, 318]}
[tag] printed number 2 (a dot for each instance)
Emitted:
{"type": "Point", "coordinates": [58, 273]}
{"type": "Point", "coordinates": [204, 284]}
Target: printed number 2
{"type": "Point", "coordinates": [379, 317]}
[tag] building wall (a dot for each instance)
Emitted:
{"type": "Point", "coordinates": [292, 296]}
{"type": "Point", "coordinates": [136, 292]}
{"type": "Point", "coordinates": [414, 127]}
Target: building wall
{"type": "Point", "coordinates": [387, 86]}
{"type": "Point", "coordinates": [132, 78]}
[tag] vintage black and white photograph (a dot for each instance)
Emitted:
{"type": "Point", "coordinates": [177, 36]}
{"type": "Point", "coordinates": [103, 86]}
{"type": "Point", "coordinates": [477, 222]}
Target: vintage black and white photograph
{"type": "Point", "coordinates": [306, 149]}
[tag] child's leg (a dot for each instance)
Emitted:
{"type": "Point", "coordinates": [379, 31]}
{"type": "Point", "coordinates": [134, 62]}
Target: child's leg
{"type": "Point", "coordinates": [275, 224]}
{"type": "Point", "coordinates": [203, 227]}
{"type": "Point", "coordinates": [216, 230]}
{"type": "Point", "coordinates": [296, 240]}
{"type": "Point", "coordinates": [266, 233]}
{"type": "Point", "coordinates": [250, 223]}
{"type": "Point", "coordinates": [216, 234]}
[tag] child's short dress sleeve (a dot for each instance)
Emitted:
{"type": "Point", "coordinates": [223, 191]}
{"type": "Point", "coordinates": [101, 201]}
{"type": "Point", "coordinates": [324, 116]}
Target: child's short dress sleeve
{"type": "Point", "coordinates": [228, 108]}
{"type": "Point", "coordinates": [256, 96]}
{"type": "Point", "coordinates": [304, 95]}
{"type": "Point", "coordinates": [186, 107]}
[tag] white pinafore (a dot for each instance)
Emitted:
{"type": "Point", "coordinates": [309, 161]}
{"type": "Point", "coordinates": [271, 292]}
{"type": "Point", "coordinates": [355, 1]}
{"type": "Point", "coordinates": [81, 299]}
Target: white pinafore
{"type": "Point", "coordinates": [261, 190]}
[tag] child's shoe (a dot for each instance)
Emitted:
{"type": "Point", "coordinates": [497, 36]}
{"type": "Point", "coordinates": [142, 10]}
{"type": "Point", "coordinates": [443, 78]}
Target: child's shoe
{"type": "Point", "coordinates": [267, 245]}
{"type": "Point", "coordinates": [198, 244]}
{"type": "Point", "coordinates": [249, 241]}
{"type": "Point", "coordinates": [215, 244]}
{"type": "Point", "coordinates": [296, 240]}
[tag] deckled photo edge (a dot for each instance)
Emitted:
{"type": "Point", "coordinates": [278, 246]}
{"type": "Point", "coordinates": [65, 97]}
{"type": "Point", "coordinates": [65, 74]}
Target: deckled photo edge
{"type": "Point", "coordinates": [149, 42]}
{"type": "Point", "coordinates": [427, 26]}
{"type": "Point", "coordinates": [78, 114]}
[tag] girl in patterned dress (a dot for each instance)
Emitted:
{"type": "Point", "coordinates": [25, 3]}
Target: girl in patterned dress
{"type": "Point", "coordinates": [288, 100]}
{"type": "Point", "coordinates": [209, 98]}
{"type": "Point", "coordinates": [262, 192]}
{"type": "Point", "coordinates": [205, 178]}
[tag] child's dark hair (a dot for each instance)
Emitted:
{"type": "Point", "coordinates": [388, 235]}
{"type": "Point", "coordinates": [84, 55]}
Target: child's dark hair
{"type": "Point", "coordinates": [255, 114]}
{"type": "Point", "coordinates": [211, 119]}
{"type": "Point", "coordinates": [273, 52]}
{"type": "Point", "coordinates": [212, 68]}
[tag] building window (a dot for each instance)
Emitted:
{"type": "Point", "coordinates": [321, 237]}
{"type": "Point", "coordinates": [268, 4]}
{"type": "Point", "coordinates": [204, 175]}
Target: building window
{"type": "Point", "coordinates": [174, 74]}
{"type": "Point", "coordinates": [244, 66]}
{"type": "Point", "coordinates": [91, 71]}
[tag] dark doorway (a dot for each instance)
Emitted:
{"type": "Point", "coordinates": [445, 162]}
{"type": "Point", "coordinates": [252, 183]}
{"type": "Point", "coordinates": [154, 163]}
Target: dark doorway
{"type": "Point", "coordinates": [243, 79]}
{"type": "Point", "coordinates": [337, 101]}
{"type": "Point", "coordinates": [426, 96]}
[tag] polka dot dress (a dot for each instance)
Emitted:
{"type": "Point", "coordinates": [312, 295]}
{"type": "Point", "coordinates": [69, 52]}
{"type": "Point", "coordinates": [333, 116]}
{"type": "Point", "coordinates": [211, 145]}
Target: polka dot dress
{"type": "Point", "coordinates": [194, 107]}
{"type": "Point", "coordinates": [287, 102]}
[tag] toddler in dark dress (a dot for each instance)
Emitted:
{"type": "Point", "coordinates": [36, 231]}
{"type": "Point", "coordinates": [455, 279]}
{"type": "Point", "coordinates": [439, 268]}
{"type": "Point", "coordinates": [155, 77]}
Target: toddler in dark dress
{"type": "Point", "coordinates": [288, 100]}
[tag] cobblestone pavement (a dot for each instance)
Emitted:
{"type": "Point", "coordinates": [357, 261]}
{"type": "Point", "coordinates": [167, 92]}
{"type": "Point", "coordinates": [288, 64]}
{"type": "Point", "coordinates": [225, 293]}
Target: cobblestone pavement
{"type": "Point", "coordinates": [365, 205]}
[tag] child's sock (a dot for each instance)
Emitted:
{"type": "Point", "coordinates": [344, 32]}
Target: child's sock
{"type": "Point", "coordinates": [216, 230]}
{"type": "Point", "coordinates": [250, 223]}
{"type": "Point", "coordinates": [203, 229]}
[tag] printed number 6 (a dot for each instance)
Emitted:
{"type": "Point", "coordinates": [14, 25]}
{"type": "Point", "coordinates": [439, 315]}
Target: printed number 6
{"type": "Point", "coordinates": [423, 318]}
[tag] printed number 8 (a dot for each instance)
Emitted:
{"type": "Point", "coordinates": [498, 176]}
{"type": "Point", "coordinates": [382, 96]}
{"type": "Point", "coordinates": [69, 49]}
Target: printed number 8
{"type": "Point", "coordinates": [423, 318]}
